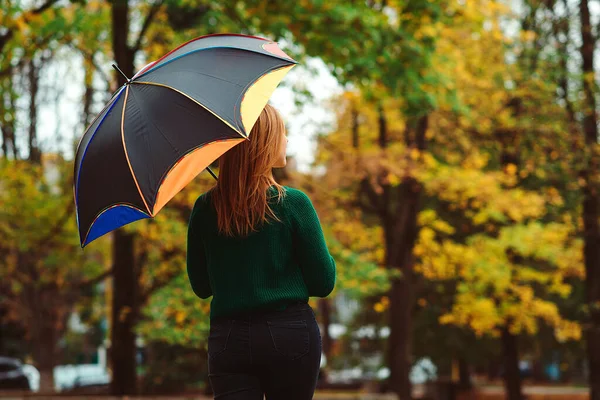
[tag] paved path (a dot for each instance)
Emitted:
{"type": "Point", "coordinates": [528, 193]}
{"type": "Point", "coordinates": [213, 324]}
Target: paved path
{"type": "Point", "coordinates": [537, 390]}
{"type": "Point", "coordinates": [492, 391]}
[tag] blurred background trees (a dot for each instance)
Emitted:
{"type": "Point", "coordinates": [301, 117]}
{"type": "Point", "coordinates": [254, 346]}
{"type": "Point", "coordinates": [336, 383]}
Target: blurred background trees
{"type": "Point", "coordinates": [457, 187]}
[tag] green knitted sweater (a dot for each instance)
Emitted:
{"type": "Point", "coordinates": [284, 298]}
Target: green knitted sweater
{"type": "Point", "coordinates": [281, 263]}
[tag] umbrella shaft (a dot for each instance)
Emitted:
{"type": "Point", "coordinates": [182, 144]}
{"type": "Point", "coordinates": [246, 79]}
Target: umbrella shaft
{"type": "Point", "coordinates": [212, 173]}
{"type": "Point", "coordinates": [122, 73]}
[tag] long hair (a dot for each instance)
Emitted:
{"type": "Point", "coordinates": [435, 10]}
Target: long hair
{"type": "Point", "coordinates": [241, 196]}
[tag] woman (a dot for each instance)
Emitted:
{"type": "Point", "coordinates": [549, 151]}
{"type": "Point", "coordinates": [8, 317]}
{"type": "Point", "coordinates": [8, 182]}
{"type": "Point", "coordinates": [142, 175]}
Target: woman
{"type": "Point", "coordinates": [259, 250]}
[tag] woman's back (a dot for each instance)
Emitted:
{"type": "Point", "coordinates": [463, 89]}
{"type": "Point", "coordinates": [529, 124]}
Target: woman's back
{"type": "Point", "coordinates": [281, 263]}
{"type": "Point", "coordinates": [258, 249]}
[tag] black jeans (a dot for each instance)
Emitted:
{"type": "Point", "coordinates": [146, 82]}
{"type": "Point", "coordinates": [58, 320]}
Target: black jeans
{"type": "Point", "coordinates": [275, 353]}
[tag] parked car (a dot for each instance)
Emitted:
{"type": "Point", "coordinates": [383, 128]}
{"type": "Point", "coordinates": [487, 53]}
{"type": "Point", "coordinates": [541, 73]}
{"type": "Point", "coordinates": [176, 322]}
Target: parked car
{"type": "Point", "coordinates": [33, 375]}
{"type": "Point", "coordinates": [13, 375]}
{"type": "Point", "coordinates": [90, 385]}
{"type": "Point", "coordinates": [67, 377]}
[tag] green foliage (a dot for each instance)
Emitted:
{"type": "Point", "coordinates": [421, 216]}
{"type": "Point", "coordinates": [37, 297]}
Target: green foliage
{"type": "Point", "coordinates": [176, 316]}
{"type": "Point", "coordinates": [42, 268]}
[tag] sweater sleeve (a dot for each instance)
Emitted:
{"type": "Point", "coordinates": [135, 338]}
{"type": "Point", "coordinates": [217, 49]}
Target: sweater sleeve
{"type": "Point", "coordinates": [196, 260]}
{"type": "Point", "coordinates": [317, 265]}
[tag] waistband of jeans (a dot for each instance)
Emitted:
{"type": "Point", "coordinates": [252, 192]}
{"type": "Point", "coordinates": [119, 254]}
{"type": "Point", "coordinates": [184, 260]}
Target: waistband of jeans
{"type": "Point", "coordinates": [266, 312]}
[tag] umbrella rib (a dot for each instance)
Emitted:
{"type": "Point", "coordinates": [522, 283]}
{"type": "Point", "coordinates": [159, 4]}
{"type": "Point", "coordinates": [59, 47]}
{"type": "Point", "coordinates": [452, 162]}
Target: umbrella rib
{"type": "Point", "coordinates": [105, 209]}
{"type": "Point", "coordinates": [211, 76]}
{"type": "Point", "coordinates": [194, 100]}
{"type": "Point", "coordinates": [158, 63]}
{"type": "Point", "coordinates": [127, 155]}
{"type": "Point", "coordinates": [204, 37]}
{"type": "Point", "coordinates": [165, 137]}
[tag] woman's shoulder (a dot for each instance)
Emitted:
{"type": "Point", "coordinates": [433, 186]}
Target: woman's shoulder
{"type": "Point", "coordinates": [296, 197]}
{"type": "Point", "coordinates": [294, 193]}
{"type": "Point", "coordinates": [202, 202]}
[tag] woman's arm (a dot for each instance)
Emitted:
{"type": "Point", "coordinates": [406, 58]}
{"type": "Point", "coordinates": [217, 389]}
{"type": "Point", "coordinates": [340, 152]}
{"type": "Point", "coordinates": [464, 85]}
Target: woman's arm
{"type": "Point", "coordinates": [317, 265]}
{"type": "Point", "coordinates": [196, 261]}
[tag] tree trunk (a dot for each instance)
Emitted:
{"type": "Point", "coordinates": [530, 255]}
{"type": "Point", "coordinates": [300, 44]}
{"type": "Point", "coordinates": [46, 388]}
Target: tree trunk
{"type": "Point", "coordinates": [561, 25]}
{"type": "Point", "coordinates": [46, 381]}
{"type": "Point", "coordinates": [325, 312]}
{"type": "Point", "coordinates": [400, 338]}
{"type": "Point", "coordinates": [399, 254]}
{"type": "Point", "coordinates": [44, 343]}
{"type": "Point", "coordinates": [464, 374]}
{"type": "Point", "coordinates": [7, 125]}
{"type": "Point", "coordinates": [124, 309]}
{"type": "Point", "coordinates": [35, 154]}
{"type": "Point", "coordinates": [590, 204]}
{"type": "Point", "coordinates": [512, 377]}
{"type": "Point", "coordinates": [125, 283]}
{"type": "Point", "coordinates": [355, 128]}
{"type": "Point", "coordinates": [7, 117]}
{"type": "Point", "coordinates": [492, 369]}
{"type": "Point", "coordinates": [11, 125]}
{"type": "Point", "coordinates": [402, 290]}
{"type": "Point", "coordinates": [88, 96]}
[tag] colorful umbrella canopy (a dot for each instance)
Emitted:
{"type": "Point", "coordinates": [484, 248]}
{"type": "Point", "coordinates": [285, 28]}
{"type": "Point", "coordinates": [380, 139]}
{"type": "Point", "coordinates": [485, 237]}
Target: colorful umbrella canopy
{"type": "Point", "coordinates": [167, 124]}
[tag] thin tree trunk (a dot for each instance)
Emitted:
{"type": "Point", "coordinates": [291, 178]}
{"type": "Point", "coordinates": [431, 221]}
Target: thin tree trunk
{"type": "Point", "coordinates": [512, 377]}
{"type": "Point", "coordinates": [591, 213]}
{"type": "Point", "coordinates": [464, 374]}
{"type": "Point", "coordinates": [561, 26]}
{"type": "Point", "coordinates": [7, 120]}
{"type": "Point", "coordinates": [325, 312]}
{"type": "Point", "coordinates": [8, 139]}
{"type": "Point", "coordinates": [88, 96]}
{"type": "Point", "coordinates": [492, 369]}
{"type": "Point", "coordinates": [355, 127]}
{"type": "Point", "coordinates": [5, 135]}
{"type": "Point", "coordinates": [125, 283]}
{"type": "Point", "coordinates": [537, 371]}
{"type": "Point", "coordinates": [35, 154]}
{"type": "Point", "coordinates": [11, 126]}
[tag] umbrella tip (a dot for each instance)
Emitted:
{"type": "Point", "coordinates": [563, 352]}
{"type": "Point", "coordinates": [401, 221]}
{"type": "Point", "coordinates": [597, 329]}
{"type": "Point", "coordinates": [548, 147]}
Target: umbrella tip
{"type": "Point", "coordinates": [121, 72]}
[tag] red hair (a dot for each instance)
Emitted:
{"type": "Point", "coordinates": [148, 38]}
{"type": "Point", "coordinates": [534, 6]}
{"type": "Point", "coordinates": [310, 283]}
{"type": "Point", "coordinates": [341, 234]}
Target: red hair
{"type": "Point", "coordinates": [240, 195]}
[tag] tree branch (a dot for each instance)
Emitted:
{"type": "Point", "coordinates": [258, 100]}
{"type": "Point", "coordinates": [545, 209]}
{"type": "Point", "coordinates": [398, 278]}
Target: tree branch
{"type": "Point", "coordinates": [367, 188]}
{"type": "Point", "coordinates": [184, 210]}
{"type": "Point", "coordinates": [158, 284]}
{"type": "Point", "coordinates": [43, 7]}
{"type": "Point", "coordinates": [90, 56]}
{"type": "Point", "coordinates": [10, 68]}
{"type": "Point", "coordinates": [147, 22]}
{"type": "Point", "coordinates": [5, 38]}
{"type": "Point", "coordinates": [366, 207]}
{"type": "Point", "coordinates": [95, 280]}
{"type": "Point", "coordinates": [9, 34]}
{"type": "Point", "coordinates": [48, 240]}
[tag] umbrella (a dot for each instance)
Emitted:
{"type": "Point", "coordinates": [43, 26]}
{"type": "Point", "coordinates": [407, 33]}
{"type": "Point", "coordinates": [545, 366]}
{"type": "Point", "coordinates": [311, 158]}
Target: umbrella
{"type": "Point", "coordinates": [167, 124]}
